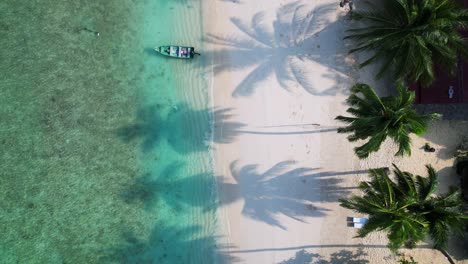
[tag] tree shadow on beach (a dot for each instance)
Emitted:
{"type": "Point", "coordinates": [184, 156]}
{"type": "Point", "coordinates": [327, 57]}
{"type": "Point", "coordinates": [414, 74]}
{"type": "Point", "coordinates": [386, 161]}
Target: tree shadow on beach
{"type": "Point", "coordinates": [340, 257]}
{"type": "Point", "coordinates": [281, 191]}
{"type": "Point", "coordinates": [232, 1]}
{"type": "Point", "coordinates": [172, 188]}
{"type": "Point", "coordinates": [185, 129]}
{"type": "Point", "coordinates": [301, 257]}
{"type": "Point", "coordinates": [171, 194]}
{"type": "Point", "coordinates": [192, 1]}
{"type": "Point", "coordinates": [225, 131]}
{"type": "Point", "coordinates": [300, 37]}
{"type": "Point", "coordinates": [276, 133]}
{"type": "Point", "coordinates": [168, 244]}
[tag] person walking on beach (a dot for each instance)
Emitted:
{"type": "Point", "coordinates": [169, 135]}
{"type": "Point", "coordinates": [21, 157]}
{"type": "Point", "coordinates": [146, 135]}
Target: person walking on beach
{"type": "Point", "coordinates": [349, 2]}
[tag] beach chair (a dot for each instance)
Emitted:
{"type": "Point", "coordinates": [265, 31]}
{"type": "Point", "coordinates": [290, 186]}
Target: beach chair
{"type": "Point", "coordinates": [361, 220]}
{"type": "Point", "coordinates": [355, 225]}
{"type": "Point", "coordinates": [356, 222]}
{"type": "Point", "coordinates": [358, 225]}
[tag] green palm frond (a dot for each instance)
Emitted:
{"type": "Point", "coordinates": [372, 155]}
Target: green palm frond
{"type": "Point", "coordinates": [426, 186]}
{"type": "Point", "coordinates": [409, 37]}
{"type": "Point", "coordinates": [405, 184]}
{"type": "Point", "coordinates": [407, 208]}
{"type": "Point", "coordinates": [374, 119]}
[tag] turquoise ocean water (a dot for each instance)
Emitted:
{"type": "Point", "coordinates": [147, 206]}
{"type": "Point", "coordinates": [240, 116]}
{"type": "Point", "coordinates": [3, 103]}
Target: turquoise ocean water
{"type": "Point", "coordinates": [105, 152]}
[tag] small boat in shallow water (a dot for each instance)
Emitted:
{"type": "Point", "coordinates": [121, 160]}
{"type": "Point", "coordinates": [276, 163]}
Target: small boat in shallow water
{"type": "Point", "coordinates": [177, 51]}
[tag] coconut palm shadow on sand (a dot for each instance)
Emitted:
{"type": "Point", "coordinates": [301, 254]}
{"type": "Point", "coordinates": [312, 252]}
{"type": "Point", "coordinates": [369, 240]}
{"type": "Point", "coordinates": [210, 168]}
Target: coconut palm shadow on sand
{"type": "Point", "coordinates": [185, 129]}
{"type": "Point", "coordinates": [300, 37]}
{"type": "Point", "coordinates": [191, 1]}
{"type": "Point", "coordinates": [171, 188]}
{"type": "Point", "coordinates": [281, 190]}
{"type": "Point", "coordinates": [340, 257]}
{"type": "Point", "coordinates": [167, 245]}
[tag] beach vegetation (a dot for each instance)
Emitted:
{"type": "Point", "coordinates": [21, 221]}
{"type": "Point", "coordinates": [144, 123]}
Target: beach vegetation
{"type": "Point", "coordinates": [404, 260]}
{"type": "Point", "coordinates": [409, 37]}
{"type": "Point", "coordinates": [407, 208]}
{"type": "Point", "coordinates": [375, 118]}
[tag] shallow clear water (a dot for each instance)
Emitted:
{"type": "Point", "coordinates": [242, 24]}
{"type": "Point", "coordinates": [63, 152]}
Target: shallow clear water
{"type": "Point", "coordinates": [104, 145]}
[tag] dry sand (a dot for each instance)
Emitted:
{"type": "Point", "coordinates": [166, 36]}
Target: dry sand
{"type": "Point", "coordinates": [281, 74]}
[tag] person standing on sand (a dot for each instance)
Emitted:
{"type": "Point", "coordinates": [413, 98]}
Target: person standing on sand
{"type": "Point", "coordinates": [349, 2]}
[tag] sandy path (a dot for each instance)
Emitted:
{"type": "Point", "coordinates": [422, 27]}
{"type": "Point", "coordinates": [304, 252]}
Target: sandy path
{"type": "Point", "coordinates": [281, 75]}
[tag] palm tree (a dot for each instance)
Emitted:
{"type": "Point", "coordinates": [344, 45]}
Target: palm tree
{"type": "Point", "coordinates": [386, 211]}
{"type": "Point", "coordinates": [378, 118]}
{"type": "Point", "coordinates": [407, 208]}
{"type": "Point", "coordinates": [411, 36]}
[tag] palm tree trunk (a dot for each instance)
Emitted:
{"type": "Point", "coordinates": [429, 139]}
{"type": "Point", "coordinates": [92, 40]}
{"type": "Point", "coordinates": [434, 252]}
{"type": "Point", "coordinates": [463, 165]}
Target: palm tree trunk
{"type": "Point", "coordinates": [445, 253]}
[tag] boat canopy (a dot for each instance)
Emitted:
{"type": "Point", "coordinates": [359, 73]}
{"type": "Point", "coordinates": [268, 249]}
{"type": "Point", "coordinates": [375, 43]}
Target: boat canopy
{"type": "Point", "coordinates": [181, 52]}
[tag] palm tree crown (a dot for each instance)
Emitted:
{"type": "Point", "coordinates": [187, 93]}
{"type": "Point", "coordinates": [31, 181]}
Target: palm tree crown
{"type": "Point", "coordinates": [378, 118]}
{"type": "Point", "coordinates": [411, 35]}
{"type": "Point", "coordinates": [407, 208]}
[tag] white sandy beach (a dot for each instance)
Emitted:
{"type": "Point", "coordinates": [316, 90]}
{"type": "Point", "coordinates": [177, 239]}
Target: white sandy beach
{"type": "Point", "coordinates": [281, 75]}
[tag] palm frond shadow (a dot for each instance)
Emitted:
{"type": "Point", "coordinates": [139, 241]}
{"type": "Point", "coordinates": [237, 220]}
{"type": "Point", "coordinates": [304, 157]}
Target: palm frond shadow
{"type": "Point", "coordinates": [172, 188]}
{"type": "Point", "coordinates": [225, 131]}
{"type": "Point", "coordinates": [268, 194]}
{"type": "Point", "coordinates": [232, 1]}
{"type": "Point", "coordinates": [300, 37]}
{"type": "Point", "coordinates": [339, 257]}
{"type": "Point", "coordinates": [185, 129]}
{"type": "Point", "coordinates": [168, 244]}
{"type": "Point", "coordinates": [302, 257]}
{"type": "Point", "coordinates": [188, 2]}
